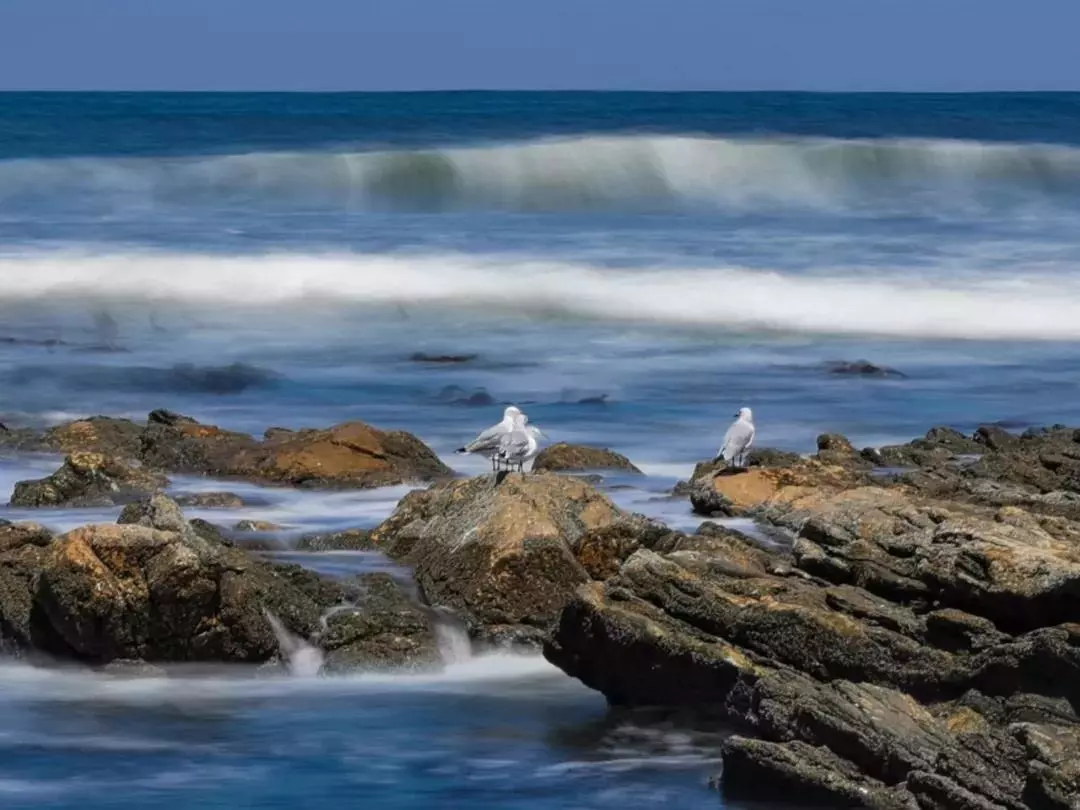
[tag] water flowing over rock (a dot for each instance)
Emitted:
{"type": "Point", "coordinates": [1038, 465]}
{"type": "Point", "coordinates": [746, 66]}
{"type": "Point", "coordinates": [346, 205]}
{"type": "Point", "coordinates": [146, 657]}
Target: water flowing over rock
{"type": "Point", "coordinates": [88, 479]}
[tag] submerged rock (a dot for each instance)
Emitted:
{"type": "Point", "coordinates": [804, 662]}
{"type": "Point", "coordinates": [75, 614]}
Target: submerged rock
{"type": "Point", "coordinates": [88, 479]}
{"type": "Point", "coordinates": [565, 457]}
{"type": "Point", "coordinates": [386, 629]}
{"type": "Point", "coordinates": [348, 540]}
{"type": "Point", "coordinates": [211, 500]}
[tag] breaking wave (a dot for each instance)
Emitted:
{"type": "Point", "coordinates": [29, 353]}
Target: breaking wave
{"type": "Point", "coordinates": [725, 298]}
{"type": "Point", "coordinates": [584, 173]}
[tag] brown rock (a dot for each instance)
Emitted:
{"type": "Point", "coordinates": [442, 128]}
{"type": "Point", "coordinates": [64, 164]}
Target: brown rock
{"type": "Point", "coordinates": [149, 592]}
{"type": "Point", "coordinates": [385, 630]}
{"type": "Point", "coordinates": [211, 500]}
{"type": "Point", "coordinates": [351, 454]}
{"type": "Point", "coordinates": [88, 479]}
{"type": "Point", "coordinates": [503, 553]}
{"type": "Point", "coordinates": [565, 457]}
{"type": "Point", "coordinates": [348, 455]}
{"type": "Point", "coordinates": [116, 438]}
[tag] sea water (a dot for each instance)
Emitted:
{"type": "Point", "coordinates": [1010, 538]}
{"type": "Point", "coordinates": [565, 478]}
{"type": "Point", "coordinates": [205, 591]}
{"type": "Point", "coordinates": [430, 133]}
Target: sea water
{"type": "Point", "coordinates": [629, 268]}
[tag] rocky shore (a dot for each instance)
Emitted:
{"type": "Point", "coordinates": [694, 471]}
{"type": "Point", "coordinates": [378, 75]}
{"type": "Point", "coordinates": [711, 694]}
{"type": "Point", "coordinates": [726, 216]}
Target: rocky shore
{"type": "Point", "coordinates": [909, 637]}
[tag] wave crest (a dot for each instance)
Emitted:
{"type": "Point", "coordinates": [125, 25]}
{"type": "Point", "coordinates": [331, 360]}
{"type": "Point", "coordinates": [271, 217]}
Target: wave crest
{"type": "Point", "coordinates": [585, 173]}
{"type": "Point", "coordinates": [737, 299]}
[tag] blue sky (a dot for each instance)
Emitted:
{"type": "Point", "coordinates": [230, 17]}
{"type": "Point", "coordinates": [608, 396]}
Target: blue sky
{"type": "Point", "coordinates": [542, 44]}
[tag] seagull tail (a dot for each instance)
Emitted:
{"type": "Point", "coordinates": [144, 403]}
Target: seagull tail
{"type": "Point", "coordinates": [461, 450]}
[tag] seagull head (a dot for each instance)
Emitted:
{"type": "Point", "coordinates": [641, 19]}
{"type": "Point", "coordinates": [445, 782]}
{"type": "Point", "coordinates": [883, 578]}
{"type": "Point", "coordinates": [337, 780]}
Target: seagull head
{"type": "Point", "coordinates": [512, 413]}
{"type": "Point", "coordinates": [745, 415]}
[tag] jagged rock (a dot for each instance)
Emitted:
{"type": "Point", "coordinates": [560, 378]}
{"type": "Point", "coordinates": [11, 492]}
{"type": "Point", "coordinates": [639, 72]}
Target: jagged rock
{"type": "Point", "coordinates": [348, 455]}
{"type": "Point", "coordinates": [115, 438]}
{"type": "Point", "coordinates": [88, 479]}
{"type": "Point", "coordinates": [348, 540]}
{"type": "Point", "coordinates": [898, 658]}
{"type": "Point", "coordinates": [385, 630]}
{"type": "Point", "coordinates": [502, 552]}
{"type": "Point", "coordinates": [248, 526]}
{"type": "Point", "coordinates": [211, 500]}
{"type": "Point", "coordinates": [565, 457]}
{"type": "Point", "coordinates": [153, 589]}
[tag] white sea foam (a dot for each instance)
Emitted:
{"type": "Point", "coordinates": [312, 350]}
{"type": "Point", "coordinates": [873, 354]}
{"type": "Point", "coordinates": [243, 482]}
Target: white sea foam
{"type": "Point", "coordinates": [730, 298]}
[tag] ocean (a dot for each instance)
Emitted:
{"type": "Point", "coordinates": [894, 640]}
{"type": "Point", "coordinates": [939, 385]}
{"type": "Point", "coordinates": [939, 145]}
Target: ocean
{"type": "Point", "coordinates": [631, 268]}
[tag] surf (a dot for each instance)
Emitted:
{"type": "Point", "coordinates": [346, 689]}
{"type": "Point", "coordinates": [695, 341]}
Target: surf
{"type": "Point", "coordinates": [574, 174]}
{"type": "Point", "coordinates": [723, 298]}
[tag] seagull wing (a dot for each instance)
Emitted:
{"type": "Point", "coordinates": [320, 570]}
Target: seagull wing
{"type": "Point", "coordinates": [488, 442]}
{"type": "Point", "coordinates": [515, 444]}
{"type": "Point", "coordinates": [737, 439]}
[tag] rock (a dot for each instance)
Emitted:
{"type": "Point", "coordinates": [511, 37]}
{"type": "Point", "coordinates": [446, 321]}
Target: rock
{"type": "Point", "coordinates": [13, 536]}
{"type": "Point", "coordinates": [995, 438]}
{"type": "Point", "coordinates": [502, 553]}
{"type": "Point", "coordinates": [861, 368]}
{"type": "Point", "coordinates": [565, 457]}
{"type": "Point", "coordinates": [441, 359]}
{"type": "Point", "coordinates": [348, 540]}
{"type": "Point", "coordinates": [257, 526]}
{"type": "Point", "coordinates": [386, 630]}
{"type": "Point", "coordinates": [211, 500]}
{"type": "Point", "coordinates": [836, 449]}
{"type": "Point", "coordinates": [88, 479]}
{"type": "Point", "coordinates": [456, 395]}
{"type": "Point", "coordinates": [348, 455]}
{"type": "Point", "coordinates": [182, 445]}
{"type": "Point", "coordinates": [740, 492]}
{"type": "Point", "coordinates": [902, 655]}
{"type": "Point", "coordinates": [149, 592]}
{"type": "Point", "coordinates": [114, 438]}
{"type": "Point", "coordinates": [22, 547]}
{"type": "Point", "coordinates": [208, 531]}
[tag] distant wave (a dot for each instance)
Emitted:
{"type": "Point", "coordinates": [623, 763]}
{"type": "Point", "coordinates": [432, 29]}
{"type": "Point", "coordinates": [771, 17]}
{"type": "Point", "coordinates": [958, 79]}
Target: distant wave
{"type": "Point", "coordinates": [585, 173]}
{"type": "Point", "coordinates": [1032, 308]}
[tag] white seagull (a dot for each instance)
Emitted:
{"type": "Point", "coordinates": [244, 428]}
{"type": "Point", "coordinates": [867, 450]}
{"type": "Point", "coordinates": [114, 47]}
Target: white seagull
{"type": "Point", "coordinates": [489, 443]}
{"type": "Point", "coordinates": [738, 439]}
{"type": "Point", "coordinates": [521, 444]}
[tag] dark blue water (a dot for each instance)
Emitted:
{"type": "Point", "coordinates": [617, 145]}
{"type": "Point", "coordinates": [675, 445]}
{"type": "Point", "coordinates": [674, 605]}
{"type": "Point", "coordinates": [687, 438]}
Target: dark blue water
{"type": "Point", "coordinates": [629, 268]}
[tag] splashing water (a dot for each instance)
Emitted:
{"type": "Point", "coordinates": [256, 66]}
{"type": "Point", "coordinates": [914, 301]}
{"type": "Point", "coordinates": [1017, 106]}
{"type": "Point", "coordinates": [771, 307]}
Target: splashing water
{"type": "Point", "coordinates": [304, 659]}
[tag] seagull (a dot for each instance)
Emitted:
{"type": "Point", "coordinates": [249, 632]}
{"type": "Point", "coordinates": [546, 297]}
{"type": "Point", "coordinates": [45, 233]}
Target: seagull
{"type": "Point", "coordinates": [738, 439]}
{"type": "Point", "coordinates": [521, 444]}
{"type": "Point", "coordinates": [488, 443]}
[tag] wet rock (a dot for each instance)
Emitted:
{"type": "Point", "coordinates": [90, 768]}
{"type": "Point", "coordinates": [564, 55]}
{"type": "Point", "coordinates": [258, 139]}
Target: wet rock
{"type": "Point", "coordinates": [441, 359]}
{"type": "Point", "coordinates": [995, 438]}
{"type": "Point", "coordinates": [456, 395]}
{"type": "Point", "coordinates": [13, 536]}
{"type": "Point", "coordinates": [211, 500]}
{"type": "Point", "coordinates": [115, 438]}
{"type": "Point", "coordinates": [385, 630]}
{"type": "Point", "coordinates": [861, 368]}
{"type": "Point", "coordinates": [180, 444]}
{"type": "Point", "coordinates": [502, 552]}
{"type": "Point", "coordinates": [22, 547]}
{"type": "Point", "coordinates": [150, 592]}
{"type": "Point", "coordinates": [348, 540]}
{"type": "Point", "coordinates": [353, 454]}
{"type": "Point", "coordinates": [836, 449]}
{"type": "Point", "coordinates": [208, 531]}
{"type": "Point", "coordinates": [248, 526]}
{"type": "Point", "coordinates": [88, 479]}
{"type": "Point", "coordinates": [565, 457]}
{"type": "Point", "coordinates": [888, 660]}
